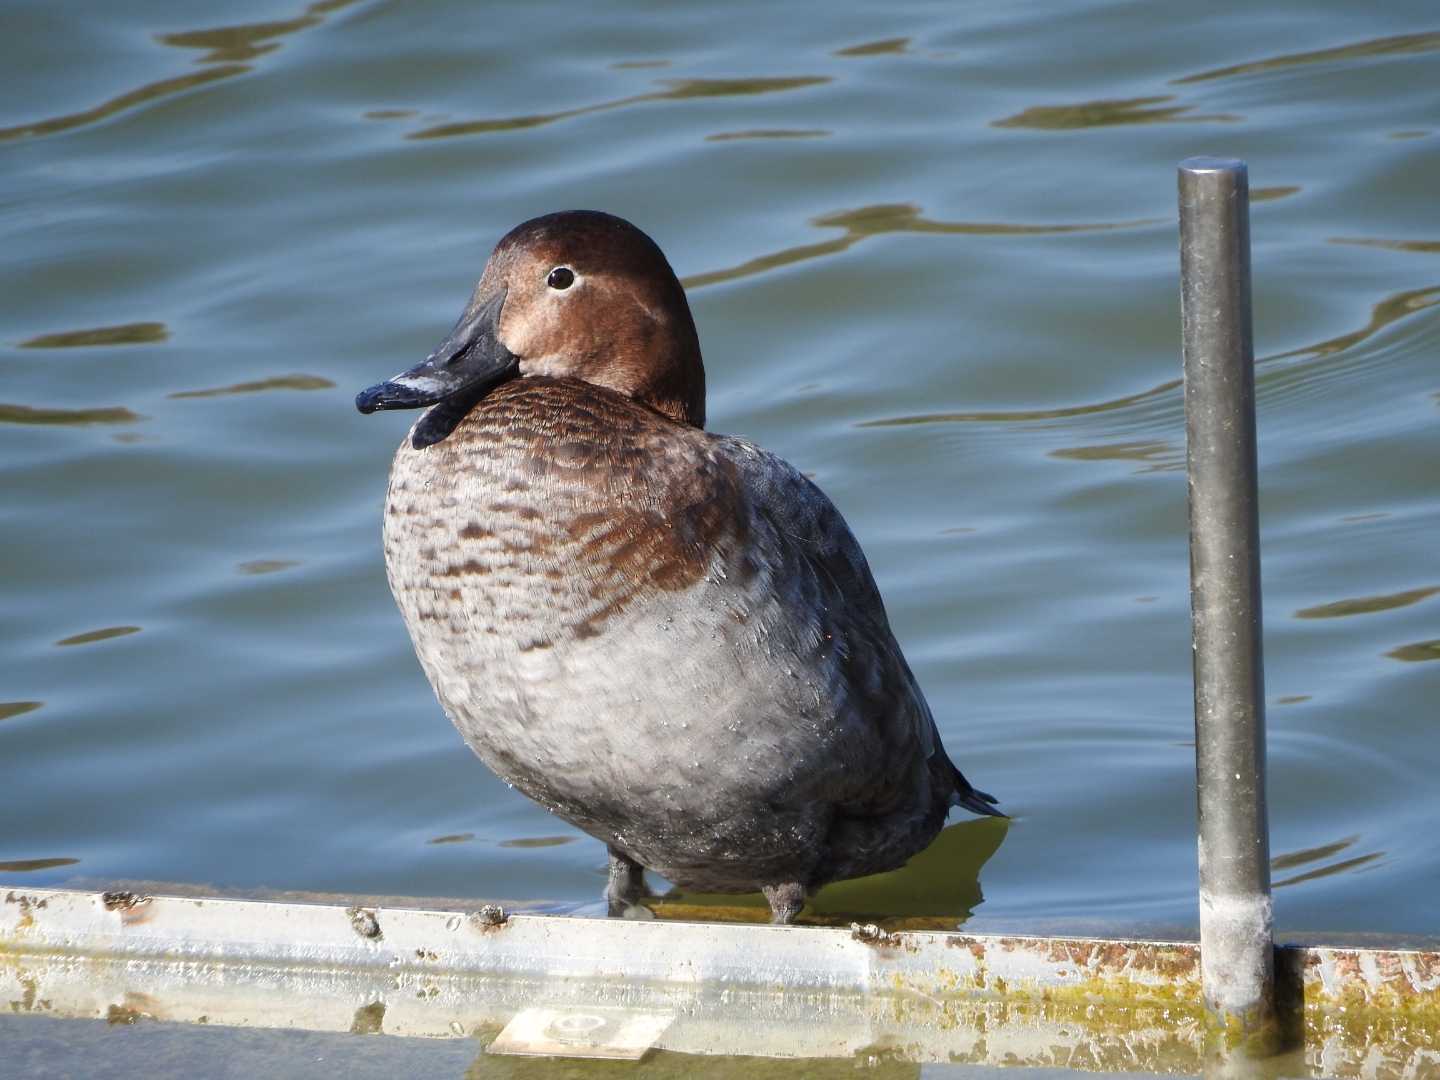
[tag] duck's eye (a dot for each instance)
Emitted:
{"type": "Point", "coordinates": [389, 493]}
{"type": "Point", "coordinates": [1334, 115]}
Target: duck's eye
{"type": "Point", "coordinates": [562, 277]}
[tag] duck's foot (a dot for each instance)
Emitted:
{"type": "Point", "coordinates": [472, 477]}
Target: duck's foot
{"type": "Point", "coordinates": [626, 886]}
{"type": "Point", "coordinates": [785, 901]}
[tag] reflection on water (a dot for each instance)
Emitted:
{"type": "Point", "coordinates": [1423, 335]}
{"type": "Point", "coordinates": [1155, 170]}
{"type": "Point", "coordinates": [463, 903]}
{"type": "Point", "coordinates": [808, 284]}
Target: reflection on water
{"type": "Point", "coordinates": [768, 133]}
{"type": "Point", "coordinates": [887, 47]}
{"type": "Point", "coordinates": [27, 866]}
{"type": "Point", "coordinates": [17, 708]}
{"type": "Point", "coordinates": [149, 92]}
{"type": "Point", "coordinates": [537, 841]}
{"type": "Point", "coordinates": [1389, 310]}
{"type": "Point", "coordinates": [878, 220]}
{"type": "Point", "coordinates": [26, 414]}
{"type": "Point", "coordinates": [99, 635]}
{"type": "Point", "coordinates": [1422, 247]}
{"type": "Point", "coordinates": [1093, 114]}
{"type": "Point", "coordinates": [126, 334]}
{"type": "Point", "coordinates": [937, 889]}
{"type": "Point", "coordinates": [225, 44]}
{"type": "Point", "coordinates": [1269, 194]}
{"type": "Point", "coordinates": [452, 838]}
{"type": "Point", "coordinates": [266, 566]}
{"type": "Point", "coordinates": [874, 1063]}
{"type": "Point", "coordinates": [677, 90]}
{"type": "Point", "coordinates": [1420, 650]}
{"type": "Point", "coordinates": [1400, 44]}
{"type": "Point", "coordinates": [1364, 605]}
{"type": "Point", "coordinates": [1158, 456]}
{"type": "Point", "coordinates": [235, 44]}
{"type": "Point", "coordinates": [279, 382]}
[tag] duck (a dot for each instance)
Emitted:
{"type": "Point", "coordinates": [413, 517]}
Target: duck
{"type": "Point", "coordinates": [667, 637]}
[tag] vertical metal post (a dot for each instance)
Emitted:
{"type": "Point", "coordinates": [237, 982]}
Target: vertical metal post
{"type": "Point", "coordinates": [1236, 923]}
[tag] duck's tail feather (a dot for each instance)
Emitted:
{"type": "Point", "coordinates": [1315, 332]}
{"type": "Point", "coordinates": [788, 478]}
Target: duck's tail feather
{"type": "Point", "coordinates": [975, 800]}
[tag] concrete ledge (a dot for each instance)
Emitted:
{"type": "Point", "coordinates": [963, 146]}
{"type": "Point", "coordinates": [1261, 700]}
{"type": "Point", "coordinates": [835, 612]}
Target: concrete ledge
{"type": "Point", "coordinates": [734, 988]}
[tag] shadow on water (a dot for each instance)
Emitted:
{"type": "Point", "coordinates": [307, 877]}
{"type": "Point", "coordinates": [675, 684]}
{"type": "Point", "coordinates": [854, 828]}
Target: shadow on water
{"type": "Point", "coordinates": [936, 890]}
{"type": "Point", "coordinates": [229, 48]}
{"type": "Point", "coordinates": [9, 709]}
{"type": "Point", "coordinates": [879, 220]}
{"type": "Point", "coordinates": [676, 90]}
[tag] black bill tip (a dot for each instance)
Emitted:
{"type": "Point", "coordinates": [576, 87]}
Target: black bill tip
{"type": "Point", "coordinates": [407, 391]}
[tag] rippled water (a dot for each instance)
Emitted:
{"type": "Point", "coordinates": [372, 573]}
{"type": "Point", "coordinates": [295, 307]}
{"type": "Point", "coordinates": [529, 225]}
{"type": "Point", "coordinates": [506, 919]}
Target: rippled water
{"type": "Point", "coordinates": [932, 253]}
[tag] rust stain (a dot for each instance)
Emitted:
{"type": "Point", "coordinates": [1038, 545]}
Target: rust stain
{"type": "Point", "coordinates": [28, 906]}
{"type": "Point", "coordinates": [878, 937]}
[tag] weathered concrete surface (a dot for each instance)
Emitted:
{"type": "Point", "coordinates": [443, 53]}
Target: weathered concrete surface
{"type": "Point", "coordinates": [734, 989]}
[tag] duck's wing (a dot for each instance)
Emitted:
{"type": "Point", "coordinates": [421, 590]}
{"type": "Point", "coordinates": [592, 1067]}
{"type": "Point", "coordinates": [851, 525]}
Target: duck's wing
{"type": "Point", "coordinates": [836, 620]}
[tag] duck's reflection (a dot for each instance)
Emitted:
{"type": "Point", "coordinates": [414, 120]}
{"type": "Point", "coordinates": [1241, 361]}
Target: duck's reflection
{"type": "Point", "coordinates": [936, 890]}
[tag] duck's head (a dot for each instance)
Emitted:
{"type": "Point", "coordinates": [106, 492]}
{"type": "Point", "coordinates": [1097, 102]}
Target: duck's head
{"type": "Point", "coordinates": [577, 294]}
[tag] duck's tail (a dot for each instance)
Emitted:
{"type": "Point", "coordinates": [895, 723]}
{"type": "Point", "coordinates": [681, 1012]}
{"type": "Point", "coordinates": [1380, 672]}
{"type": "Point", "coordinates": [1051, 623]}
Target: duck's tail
{"type": "Point", "coordinates": [973, 799]}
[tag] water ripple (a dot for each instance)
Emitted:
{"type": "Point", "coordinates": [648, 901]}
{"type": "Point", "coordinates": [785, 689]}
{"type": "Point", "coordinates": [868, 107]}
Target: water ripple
{"type": "Point", "coordinates": [226, 45]}
{"type": "Point", "coordinates": [677, 90]}
{"type": "Point", "coordinates": [1386, 312]}
{"type": "Point", "coordinates": [879, 220]}
{"type": "Point", "coordinates": [1400, 44]}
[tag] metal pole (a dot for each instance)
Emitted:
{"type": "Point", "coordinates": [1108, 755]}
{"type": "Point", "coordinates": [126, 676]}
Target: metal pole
{"type": "Point", "coordinates": [1236, 922]}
